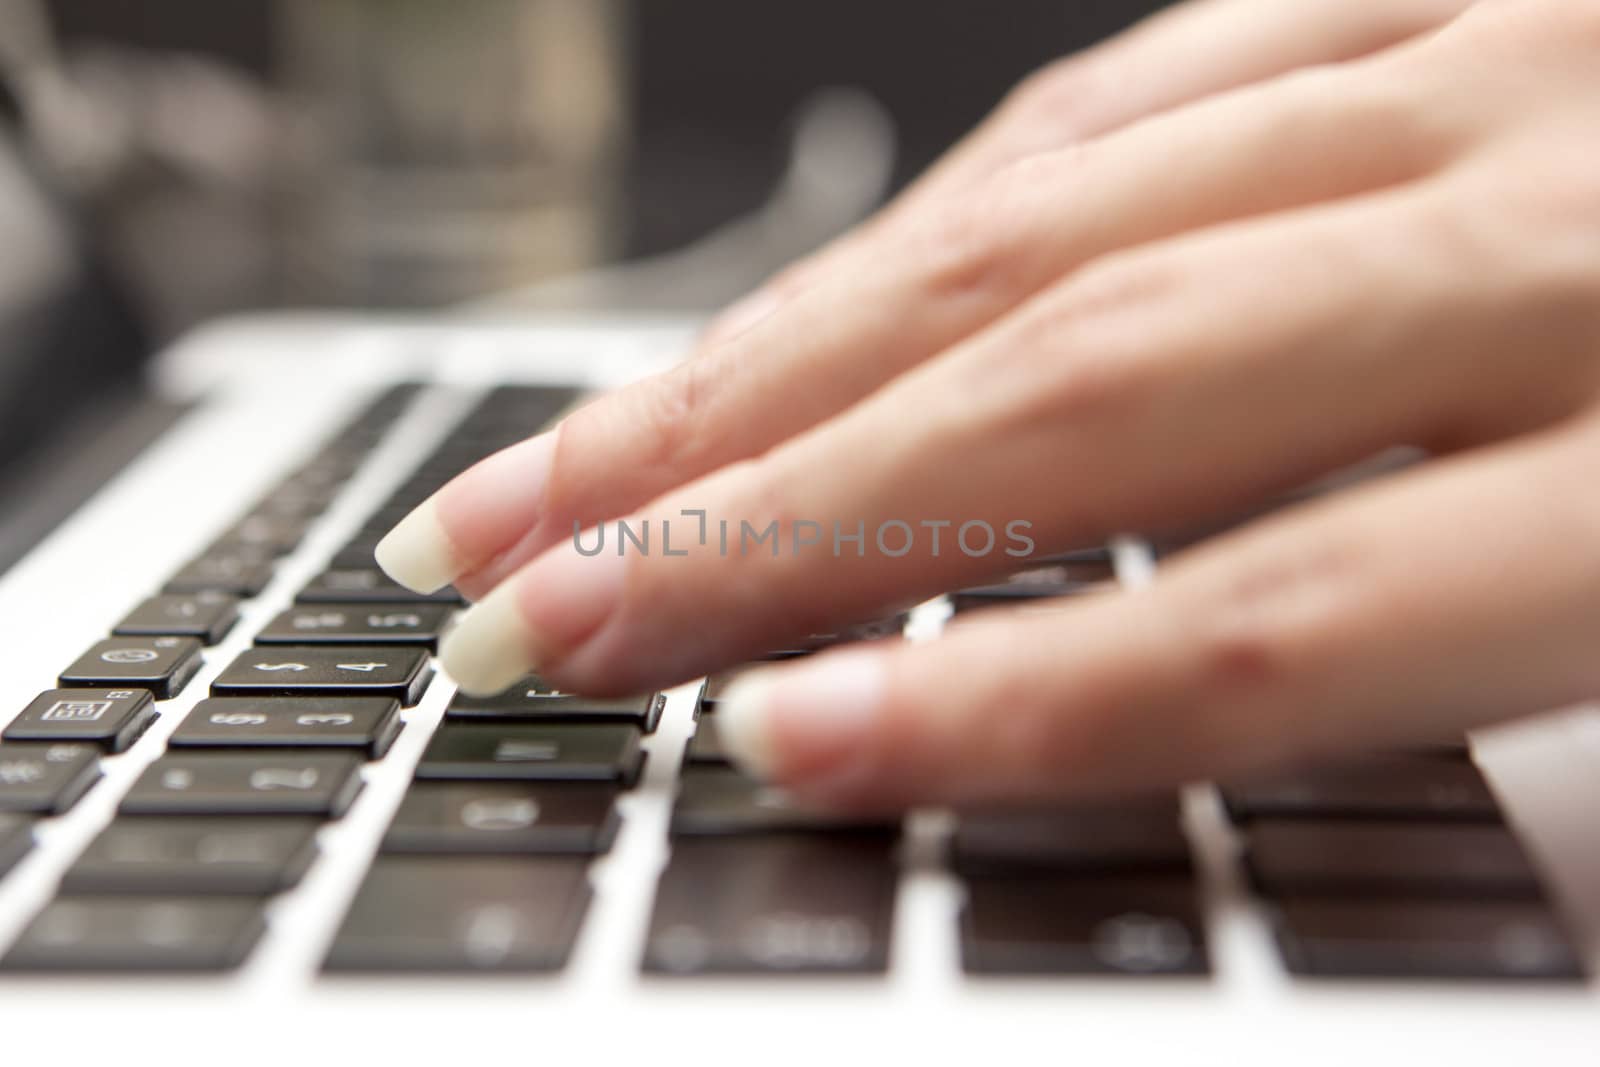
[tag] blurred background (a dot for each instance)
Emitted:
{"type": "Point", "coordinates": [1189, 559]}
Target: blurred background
{"type": "Point", "coordinates": [422, 153]}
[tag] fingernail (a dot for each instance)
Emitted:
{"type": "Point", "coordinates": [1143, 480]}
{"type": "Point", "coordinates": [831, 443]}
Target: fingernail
{"type": "Point", "coordinates": [741, 315]}
{"type": "Point", "coordinates": [490, 646]}
{"type": "Point", "coordinates": [480, 513]}
{"type": "Point", "coordinates": [803, 723]}
{"type": "Point", "coordinates": [417, 553]}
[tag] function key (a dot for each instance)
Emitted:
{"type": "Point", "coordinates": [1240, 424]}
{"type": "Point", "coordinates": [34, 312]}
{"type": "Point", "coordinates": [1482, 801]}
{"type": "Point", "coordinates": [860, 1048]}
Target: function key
{"type": "Point", "coordinates": [305, 670]}
{"type": "Point", "coordinates": [162, 665]}
{"type": "Point", "coordinates": [463, 914]}
{"type": "Point", "coordinates": [46, 780]}
{"type": "Point", "coordinates": [491, 817]}
{"type": "Point", "coordinates": [534, 700]}
{"type": "Point", "coordinates": [138, 934]}
{"type": "Point", "coordinates": [533, 753]}
{"type": "Point", "coordinates": [227, 784]}
{"type": "Point", "coordinates": [718, 800]}
{"type": "Point", "coordinates": [236, 570]}
{"type": "Point", "coordinates": [365, 724]}
{"type": "Point", "coordinates": [1349, 857]}
{"type": "Point", "coordinates": [248, 857]}
{"type": "Point", "coordinates": [1132, 836]}
{"type": "Point", "coordinates": [785, 904]}
{"type": "Point", "coordinates": [1073, 925]}
{"type": "Point", "coordinates": [358, 624]}
{"type": "Point", "coordinates": [207, 617]}
{"type": "Point", "coordinates": [1425, 939]}
{"type": "Point", "coordinates": [16, 838]}
{"type": "Point", "coordinates": [112, 719]}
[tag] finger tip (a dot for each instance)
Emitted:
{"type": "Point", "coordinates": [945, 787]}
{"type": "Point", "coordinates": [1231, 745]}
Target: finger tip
{"type": "Point", "coordinates": [418, 553]}
{"type": "Point", "coordinates": [489, 648]}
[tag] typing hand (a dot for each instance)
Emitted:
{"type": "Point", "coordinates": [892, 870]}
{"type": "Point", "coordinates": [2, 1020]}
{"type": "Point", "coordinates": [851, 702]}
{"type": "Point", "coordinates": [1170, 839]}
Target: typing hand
{"type": "Point", "coordinates": [1124, 327]}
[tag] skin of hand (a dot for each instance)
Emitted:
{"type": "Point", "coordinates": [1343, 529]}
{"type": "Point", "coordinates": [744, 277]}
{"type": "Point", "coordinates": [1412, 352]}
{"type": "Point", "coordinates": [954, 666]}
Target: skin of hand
{"type": "Point", "coordinates": [1246, 280]}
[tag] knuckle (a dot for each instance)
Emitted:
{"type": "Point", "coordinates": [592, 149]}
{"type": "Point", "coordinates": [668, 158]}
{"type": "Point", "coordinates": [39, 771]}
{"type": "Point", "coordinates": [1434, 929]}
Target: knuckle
{"type": "Point", "coordinates": [967, 246]}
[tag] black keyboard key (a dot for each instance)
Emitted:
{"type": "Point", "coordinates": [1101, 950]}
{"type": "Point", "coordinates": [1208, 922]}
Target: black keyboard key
{"type": "Point", "coordinates": [286, 783]}
{"type": "Point", "coordinates": [705, 747]}
{"type": "Point", "coordinates": [233, 856]}
{"type": "Point", "coordinates": [16, 838]}
{"type": "Point", "coordinates": [364, 724]}
{"type": "Point", "coordinates": [490, 817]}
{"type": "Point", "coordinates": [368, 585]}
{"type": "Point", "coordinates": [1349, 857]}
{"type": "Point", "coordinates": [112, 719]}
{"type": "Point", "coordinates": [1066, 924]}
{"type": "Point", "coordinates": [1425, 939]}
{"type": "Point", "coordinates": [207, 617]}
{"type": "Point", "coordinates": [533, 753]}
{"type": "Point", "coordinates": [270, 535]}
{"type": "Point", "coordinates": [1142, 836]}
{"type": "Point", "coordinates": [786, 904]}
{"type": "Point", "coordinates": [46, 780]}
{"type": "Point", "coordinates": [306, 670]}
{"type": "Point", "coordinates": [235, 570]}
{"type": "Point", "coordinates": [1397, 787]}
{"type": "Point", "coordinates": [718, 800]}
{"type": "Point", "coordinates": [463, 914]}
{"type": "Point", "coordinates": [162, 665]}
{"type": "Point", "coordinates": [358, 624]}
{"type": "Point", "coordinates": [534, 700]}
{"type": "Point", "coordinates": [138, 934]}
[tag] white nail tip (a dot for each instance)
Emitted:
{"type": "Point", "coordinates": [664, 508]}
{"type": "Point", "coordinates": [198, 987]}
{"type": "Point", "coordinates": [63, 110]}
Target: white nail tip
{"type": "Point", "coordinates": [742, 723]}
{"type": "Point", "coordinates": [417, 552]}
{"type": "Point", "coordinates": [489, 648]}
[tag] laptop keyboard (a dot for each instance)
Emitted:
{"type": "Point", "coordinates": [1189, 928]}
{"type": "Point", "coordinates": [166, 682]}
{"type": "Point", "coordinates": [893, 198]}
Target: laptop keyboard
{"type": "Point", "coordinates": [1395, 865]}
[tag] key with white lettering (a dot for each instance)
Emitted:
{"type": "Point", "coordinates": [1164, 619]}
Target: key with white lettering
{"type": "Point", "coordinates": [463, 914]}
{"type": "Point", "coordinates": [162, 665]}
{"type": "Point", "coordinates": [306, 670]}
{"type": "Point", "coordinates": [535, 700]}
{"type": "Point", "coordinates": [358, 624]}
{"type": "Point", "coordinates": [163, 854]}
{"type": "Point", "coordinates": [498, 817]}
{"type": "Point", "coordinates": [779, 903]}
{"type": "Point", "coordinates": [287, 783]}
{"type": "Point", "coordinates": [86, 934]}
{"type": "Point", "coordinates": [367, 725]}
{"type": "Point", "coordinates": [112, 719]}
{"type": "Point", "coordinates": [46, 779]}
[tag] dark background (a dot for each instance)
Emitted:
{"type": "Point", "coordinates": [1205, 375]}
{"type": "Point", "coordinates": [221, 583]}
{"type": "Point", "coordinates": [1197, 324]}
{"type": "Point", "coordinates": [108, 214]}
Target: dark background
{"type": "Point", "coordinates": [715, 80]}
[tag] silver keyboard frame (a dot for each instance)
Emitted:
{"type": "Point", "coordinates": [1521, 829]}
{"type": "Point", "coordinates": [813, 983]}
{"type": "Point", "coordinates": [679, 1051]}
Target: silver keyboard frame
{"type": "Point", "coordinates": [275, 387]}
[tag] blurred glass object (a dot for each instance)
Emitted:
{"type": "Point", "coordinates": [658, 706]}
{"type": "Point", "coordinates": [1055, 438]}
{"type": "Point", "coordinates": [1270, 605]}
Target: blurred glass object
{"type": "Point", "coordinates": [449, 150]}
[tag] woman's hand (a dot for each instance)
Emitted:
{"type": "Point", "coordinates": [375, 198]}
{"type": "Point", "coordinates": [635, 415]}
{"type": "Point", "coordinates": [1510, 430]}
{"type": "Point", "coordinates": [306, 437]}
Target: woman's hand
{"type": "Point", "coordinates": [1169, 320]}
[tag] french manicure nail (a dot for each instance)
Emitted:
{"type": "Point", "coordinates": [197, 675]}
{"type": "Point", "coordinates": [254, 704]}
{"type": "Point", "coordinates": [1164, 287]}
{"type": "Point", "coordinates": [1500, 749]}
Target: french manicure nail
{"type": "Point", "coordinates": [491, 645]}
{"type": "Point", "coordinates": [417, 553]}
{"type": "Point", "coordinates": [807, 723]}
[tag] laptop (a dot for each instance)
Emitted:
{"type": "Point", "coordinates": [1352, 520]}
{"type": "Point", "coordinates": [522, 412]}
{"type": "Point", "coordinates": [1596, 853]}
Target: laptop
{"type": "Point", "coordinates": [244, 814]}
